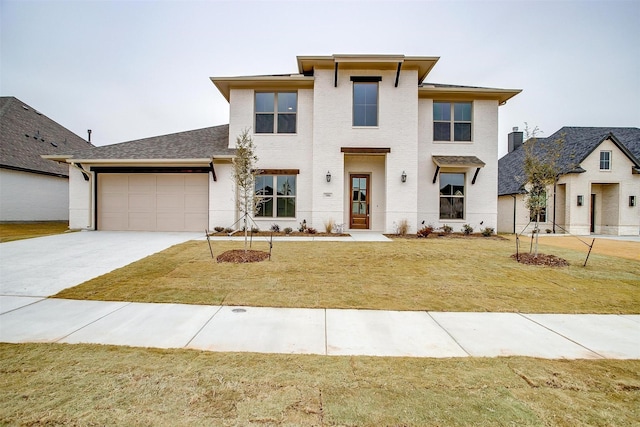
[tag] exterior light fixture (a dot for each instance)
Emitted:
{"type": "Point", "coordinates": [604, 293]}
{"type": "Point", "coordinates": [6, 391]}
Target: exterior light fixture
{"type": "Point", "coordinates": [580, 200]}
{"type": "Point", "coordinates": [632, 201]}
{"type": "Point", "coordinates": [403, 177]}
{"type": "Point", "coordinates": [328, 176]}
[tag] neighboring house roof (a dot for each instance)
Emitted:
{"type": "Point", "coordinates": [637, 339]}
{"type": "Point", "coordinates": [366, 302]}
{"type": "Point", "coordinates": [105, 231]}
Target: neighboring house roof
{"type": "Point", "coordinates": [579, 142]}
{"type": "Point", "coordinates": [194, 144]}
{"type": "Point", "coordinates": [26, 134]}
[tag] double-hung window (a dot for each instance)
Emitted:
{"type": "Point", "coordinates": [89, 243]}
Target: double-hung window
{"type": "Point", "coordinates": [452, 195]}
{"type": "Point", "coordinates": [444, 128]}
{"type": "Point", "coordinates": [277, 196]}
{"type": "Point", "coordinates": [365, 101]}
{"type": "Point", "coordinates": [276, 112]}
{"type": "Point", "coordinates": [605, 160]}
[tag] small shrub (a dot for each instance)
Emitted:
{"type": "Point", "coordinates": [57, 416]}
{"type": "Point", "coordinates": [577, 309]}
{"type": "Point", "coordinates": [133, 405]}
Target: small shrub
{"type": "Point", "coordinates": [303, 226]}
{"type": "Point", "coordinates": [447, 229]}
{"type": "Point", "coordinates": [255, 230]}
{"type": "Point", "coordinates": [488, 231]}
{"type": "Point", "coordinates": [467, 229]}
{"type": "Point", "coordinates": [311, 230]}
{"type": "Point", "coordinates": [218, 229]}
{"type": "Point", "coordinates": [288, 230]}
{"type": "Point", "coordinates": [228, 230]}
{"type": "Point", "coordinates": [425, 231]}
{"type": "Point", "coordinates": [402, 228]}
{"type": "Point", "coordinates": [548, 230]}
{"type": "Point", "coordinates": [275, 228]}
{"type": "Point", "coordinates": [328, 225]}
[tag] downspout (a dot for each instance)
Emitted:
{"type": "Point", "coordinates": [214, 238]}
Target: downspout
{"type": "Point", "coordinates": [555, 181]}
{"type": "Point", "coordinates": [87, 177]}
{"type": "Point", "coordinates": [514, 213]}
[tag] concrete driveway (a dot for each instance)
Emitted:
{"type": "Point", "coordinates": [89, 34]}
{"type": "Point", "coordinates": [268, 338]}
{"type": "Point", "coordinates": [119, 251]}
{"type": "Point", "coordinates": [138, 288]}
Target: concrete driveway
{"type": "Point", "coordinates": [44, 266]}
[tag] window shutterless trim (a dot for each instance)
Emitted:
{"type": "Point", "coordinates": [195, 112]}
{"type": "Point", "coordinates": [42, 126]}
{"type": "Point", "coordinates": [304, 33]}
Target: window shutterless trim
{"type": "Point", "coordinates": [366, 79]}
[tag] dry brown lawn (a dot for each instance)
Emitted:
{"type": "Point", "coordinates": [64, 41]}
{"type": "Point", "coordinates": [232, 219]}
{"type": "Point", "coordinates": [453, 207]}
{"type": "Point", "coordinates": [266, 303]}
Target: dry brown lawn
{"type": "Point", "coordinates": [10, 231]}
{"type": "Point", "coordinates": [610, 247]}
{"type": "Point", "coordinates": [421, 274]}
{"type": "Point", "coordinates": [57, 384]}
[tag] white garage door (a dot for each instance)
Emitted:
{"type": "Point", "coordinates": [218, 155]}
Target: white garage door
{"type": "Point", "coordinates": [153, 202]}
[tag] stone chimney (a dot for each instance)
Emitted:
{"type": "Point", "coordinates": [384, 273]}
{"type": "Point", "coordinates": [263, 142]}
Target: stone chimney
{"type": "Point", "coordinates": [515, 139]}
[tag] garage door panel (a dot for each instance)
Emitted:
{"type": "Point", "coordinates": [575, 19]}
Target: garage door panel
{"type": "Point", "coordinates": [170, 202]}
{"type": "Point", "coordinates": [195, 203]}
{"type": "Point", "coordinates": [162, 202]}
{"type": "Point", "coordinates": [141, 202]}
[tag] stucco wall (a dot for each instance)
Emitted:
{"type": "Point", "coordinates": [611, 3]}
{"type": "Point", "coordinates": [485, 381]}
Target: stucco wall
{"type": "Point", "coordinates": [28, 196]}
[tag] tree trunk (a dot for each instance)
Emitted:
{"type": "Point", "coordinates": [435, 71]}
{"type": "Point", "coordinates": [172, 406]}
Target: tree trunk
{"type": "Point", "coordinates": [537, 231]}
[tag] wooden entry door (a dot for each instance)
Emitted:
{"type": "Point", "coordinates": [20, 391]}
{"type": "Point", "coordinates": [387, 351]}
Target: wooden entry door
{"type": "Point", "coordinates": [360, 196]}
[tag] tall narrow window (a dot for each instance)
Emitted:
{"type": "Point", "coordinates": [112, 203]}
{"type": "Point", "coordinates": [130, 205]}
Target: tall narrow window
{"type": "Point", "coordinates": [365, 103]}
{"type": "Point", "coordinates": [276, 112]}
{"type": "Point", "coordinates": [452, 195]}
{"type": "Point", "coordinates": [605, 160]}
{"type": "Point", "coordinates": [444, 128]}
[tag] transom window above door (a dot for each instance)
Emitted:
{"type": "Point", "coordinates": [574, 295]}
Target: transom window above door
{"type": "Point", "coordinates": [276, 112]}
{"type": "Point", "coordinates": [444, 128]}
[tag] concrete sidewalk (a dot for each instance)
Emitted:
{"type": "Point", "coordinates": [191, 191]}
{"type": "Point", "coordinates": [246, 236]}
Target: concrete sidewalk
{"type": "Point", "coordinates": [319, 331]}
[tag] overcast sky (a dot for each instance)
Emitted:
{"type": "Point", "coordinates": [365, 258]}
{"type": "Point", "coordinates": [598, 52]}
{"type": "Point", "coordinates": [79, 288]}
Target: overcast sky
{"type": "Point", "coordinates": [135, 69]}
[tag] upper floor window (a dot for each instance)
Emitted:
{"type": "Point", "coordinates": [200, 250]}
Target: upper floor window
{"type": "Point", "coordinates": [452, 195]}
{"type": "Point", "coordinates": [276, 112]}
{"type": "Point", "coordinates": [365, 102]}
{"type": "Point", "coordinates": [280, 203]}
{"type": "Point", "coordinates": [605, 160]}
{"type": "Point", "coordinates": [444, 127]}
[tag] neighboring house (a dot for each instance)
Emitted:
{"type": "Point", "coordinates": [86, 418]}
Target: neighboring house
{"type": "Point", "coordinates": [597, 191]}
{"type": "Point", "coordinates": [360, 140]}
{"type": "Point", "coordinates": [32, 188]}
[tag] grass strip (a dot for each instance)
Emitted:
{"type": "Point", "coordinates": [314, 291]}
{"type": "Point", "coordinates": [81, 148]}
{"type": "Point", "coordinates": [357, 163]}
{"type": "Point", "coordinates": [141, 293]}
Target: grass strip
{"type": "Point", "coordinates": [49, 384]}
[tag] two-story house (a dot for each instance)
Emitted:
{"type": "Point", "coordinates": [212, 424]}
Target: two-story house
{"type": "Point", "coordinates": [359, 140]}
{"type": "Point", "coordinates": [596, 191]}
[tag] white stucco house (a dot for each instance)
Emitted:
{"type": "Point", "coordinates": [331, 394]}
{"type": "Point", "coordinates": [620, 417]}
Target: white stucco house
{"type": "Point", "coordinates": [597, 191]}
{"type": "Point", "coordinates": [360, 140]}
{"type": "Point", "coordinates": [32, 188]}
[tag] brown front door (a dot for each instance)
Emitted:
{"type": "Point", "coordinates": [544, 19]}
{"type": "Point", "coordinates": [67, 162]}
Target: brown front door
{"type": "Point", "coordinates": [359, 218]}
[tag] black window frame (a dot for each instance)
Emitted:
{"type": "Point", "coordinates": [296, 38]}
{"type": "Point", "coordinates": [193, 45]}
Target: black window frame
{"type": "Point", "coordinates": [277, 117]}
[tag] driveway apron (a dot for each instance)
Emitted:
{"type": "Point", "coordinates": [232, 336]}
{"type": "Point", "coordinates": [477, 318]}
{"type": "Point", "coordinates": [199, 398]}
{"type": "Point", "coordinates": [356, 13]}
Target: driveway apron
{"type": "Point", "coordinates": [44, 266]}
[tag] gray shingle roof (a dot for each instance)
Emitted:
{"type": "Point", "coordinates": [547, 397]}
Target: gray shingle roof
{"type": "Point", "coordinates": [578, 144]}
{"type": "Point", "coordinates": [25, 134]}
{"type": "Point", "coordinates": [193, 144]}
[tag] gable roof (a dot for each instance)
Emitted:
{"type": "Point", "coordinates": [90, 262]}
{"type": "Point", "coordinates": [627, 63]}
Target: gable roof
{"type": "Point", "coordinates": [199, 144]}
{"type": "Point", "coordinates": [26, 134]}
{"type": "Point", "coordinates": [579, 143]}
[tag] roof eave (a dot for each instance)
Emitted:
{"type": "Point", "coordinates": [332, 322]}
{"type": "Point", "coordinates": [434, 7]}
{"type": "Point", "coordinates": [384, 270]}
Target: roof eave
{"type": "Point", "coordinates": [225, 84]}
{"type": "Point", "coordinates": [193, 161]}
{"type": "Point", "coordinates": [468, 93]}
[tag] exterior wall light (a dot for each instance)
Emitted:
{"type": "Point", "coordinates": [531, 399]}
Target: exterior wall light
{"type": "Point", "coordinates": [328, 176]}
{"type": "Point", "coordinates": [632, 201]}
{"type": "Point", "coordinates": [403, 177]}
{"type": "Point", "coordinates": [580, 200]}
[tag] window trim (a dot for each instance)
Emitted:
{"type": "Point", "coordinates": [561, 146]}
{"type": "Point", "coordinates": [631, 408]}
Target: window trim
{"type": "Point", "coordinates": [608, 161]}
{"type": "Point", "coordinates": [463, 196]}
{"type": "Point", "coordinates": [365, 80]}
{"type": "Point", "coordinates": [452, 122]}
{"type": "Point", "coordinates": [275, 196]}
{"type": "Point", "coordinates": [275, 113]}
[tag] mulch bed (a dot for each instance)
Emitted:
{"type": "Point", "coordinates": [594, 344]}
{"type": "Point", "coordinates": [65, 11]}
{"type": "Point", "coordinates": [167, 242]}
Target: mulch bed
{"type": "Point", "coordinates": [446, 236]}
{"type": "Point", "coordinates": [541, 259]}
{"type": "Point", "coordinates": [238, 256]}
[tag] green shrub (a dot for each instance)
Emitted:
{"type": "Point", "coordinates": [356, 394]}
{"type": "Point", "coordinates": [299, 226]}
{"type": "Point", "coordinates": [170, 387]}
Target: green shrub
{"type": "Point", "coordinates": [488, 231]}
{"type": "Point", "coordinates": [218, 229]}
{"type": "Point", "coordinates": [275, 228]}
{"type": "Point", "coordinates": [288, 230]}
{"type": "Point", "coordinates": [467, 229]}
